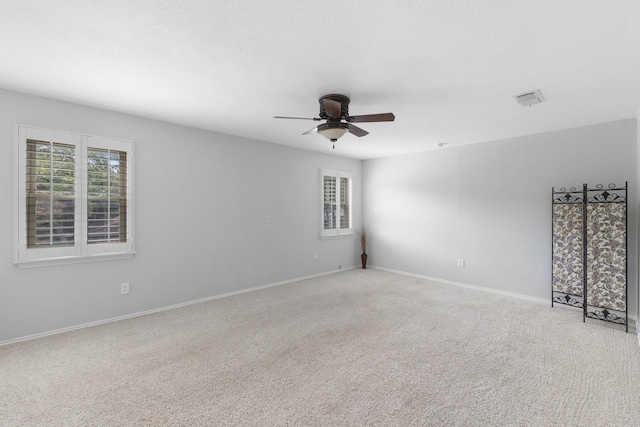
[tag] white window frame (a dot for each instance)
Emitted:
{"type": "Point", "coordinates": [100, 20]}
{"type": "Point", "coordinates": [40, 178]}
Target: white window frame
{"type": "Point", "coordinates": [338, 230]}
{"type": "Point", "coordinates": [80, 251]}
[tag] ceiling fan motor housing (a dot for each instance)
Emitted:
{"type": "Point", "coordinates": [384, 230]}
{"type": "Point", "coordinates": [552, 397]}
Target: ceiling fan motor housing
{"type": "Point", "coordinates": [344, 106]}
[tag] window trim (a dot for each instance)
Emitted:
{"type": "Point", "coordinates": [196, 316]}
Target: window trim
{"type": "Point", "coordinates": [81, 251]}
{"type": "Point", "coordinates": [338, 231]}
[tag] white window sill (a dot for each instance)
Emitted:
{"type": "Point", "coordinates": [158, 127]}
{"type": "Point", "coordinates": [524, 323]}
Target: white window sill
{"type": "Point", "coordinates": [337, 236]}
{"type": "Point", "coordinates": [72, 260]}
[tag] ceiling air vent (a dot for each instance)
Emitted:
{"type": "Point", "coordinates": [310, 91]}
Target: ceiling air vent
{"type": "Point", "coordinates": [529, 98]}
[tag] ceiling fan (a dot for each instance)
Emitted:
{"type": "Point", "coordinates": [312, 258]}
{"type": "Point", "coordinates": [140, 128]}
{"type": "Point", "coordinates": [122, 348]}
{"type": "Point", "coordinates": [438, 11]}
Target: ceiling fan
{"type": "Point", "coordinates": [334, 109]}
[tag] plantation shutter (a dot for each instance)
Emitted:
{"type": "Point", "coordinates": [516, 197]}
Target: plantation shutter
{"type": "Point", "coordinates": [330, 191]}
{"type": "Point", "coordinates": [50, 194]}
{"type": "Point", "coordinates": [336, 203]}
{"type": "Point", "coordinates": [106, 196]}
{"type": "Point", "coordinates": [73, 197]}
{"type": "Point", "coordinates": [345, 202]}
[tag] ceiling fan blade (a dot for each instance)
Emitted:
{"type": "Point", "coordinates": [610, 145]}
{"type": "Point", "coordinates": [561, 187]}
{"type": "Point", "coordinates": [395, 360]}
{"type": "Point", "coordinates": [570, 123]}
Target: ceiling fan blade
{"type": "Point", "coordinates": [357, 131]}
{"type": "Point", "coordinates": [384, 117]}
{"type": "Point", "coordinates": [310, 131]}
{"type": "Point", "coordinates": [332, 108]}
{"type": "Point", "coordinates": [315, 119]}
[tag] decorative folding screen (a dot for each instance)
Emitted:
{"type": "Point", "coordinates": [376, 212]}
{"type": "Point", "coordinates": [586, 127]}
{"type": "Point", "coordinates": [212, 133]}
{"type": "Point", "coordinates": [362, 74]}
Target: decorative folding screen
{"type": "Point", "coordinates": [568, 245]}
{"type": "Point", "coordinates": [589, 247]}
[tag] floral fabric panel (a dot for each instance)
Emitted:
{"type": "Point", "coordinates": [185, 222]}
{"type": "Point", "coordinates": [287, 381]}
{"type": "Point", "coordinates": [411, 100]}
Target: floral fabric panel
{"type": "Point", "coordinates": [606, 255]}
{"type": "Point", "coordinates": [567, 248]}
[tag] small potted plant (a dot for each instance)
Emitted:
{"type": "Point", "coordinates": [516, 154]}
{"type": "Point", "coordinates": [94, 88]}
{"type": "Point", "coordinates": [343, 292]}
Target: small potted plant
{"type": "Point", "coordinates": [364, 236]}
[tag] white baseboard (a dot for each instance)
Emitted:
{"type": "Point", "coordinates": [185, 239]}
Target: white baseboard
{"type": "Point", "coordinates": [632, 319]}
{"type": "Point", "coordinates": [465, 285]}
{"type": "Point", "coordinates": [169, 307]}
{"type": "Point", "coordinates": [271, 285]}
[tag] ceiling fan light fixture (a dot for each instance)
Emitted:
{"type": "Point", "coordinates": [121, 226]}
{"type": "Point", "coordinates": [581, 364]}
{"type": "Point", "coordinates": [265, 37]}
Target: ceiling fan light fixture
{"type": "Point", "coordinates": [332, 131]}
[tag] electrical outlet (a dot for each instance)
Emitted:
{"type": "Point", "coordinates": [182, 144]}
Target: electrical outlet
{"type": "Point", "coordinates": [266, 219]}
{"type": "Point", "coordinates": [124, 288]}
{"type": "Point", "coordinates": [460, 262]}
{"type": "Point", "coordinates": [315, 255]}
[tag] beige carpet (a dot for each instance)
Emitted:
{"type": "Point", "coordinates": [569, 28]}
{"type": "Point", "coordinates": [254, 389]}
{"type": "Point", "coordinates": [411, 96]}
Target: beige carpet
{"type": "Point", "coordinates": [361, 347]}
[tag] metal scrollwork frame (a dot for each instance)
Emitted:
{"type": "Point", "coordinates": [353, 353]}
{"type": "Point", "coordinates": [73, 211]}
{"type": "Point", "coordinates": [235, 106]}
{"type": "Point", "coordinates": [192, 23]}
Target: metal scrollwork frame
{"type": "Point", "coordinates": [564, 196]}
{"type": "Point", "coordinates": [607, 315]}
{"type": "Point", "coordinates": [598, 194]}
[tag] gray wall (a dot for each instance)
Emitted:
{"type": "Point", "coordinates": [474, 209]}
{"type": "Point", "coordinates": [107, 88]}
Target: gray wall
{"type": "Point", "coordinates": [487, 203]}
{"type": "Point", "coordinates": [201, 198]}
{"type": "Point", "coordinates": [637, 236]}
{"type": "Point", "coordinates": [490, 204]}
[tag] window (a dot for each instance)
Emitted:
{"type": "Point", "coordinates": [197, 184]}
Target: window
{"type": "Point", "coordinates": [73, 197]}
{"type": "Point", "coordinates": [336, 203]}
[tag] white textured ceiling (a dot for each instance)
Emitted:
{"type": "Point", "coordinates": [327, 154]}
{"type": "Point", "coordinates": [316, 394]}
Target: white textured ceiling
{"type": "Point", "coordinates": [447, 69]}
